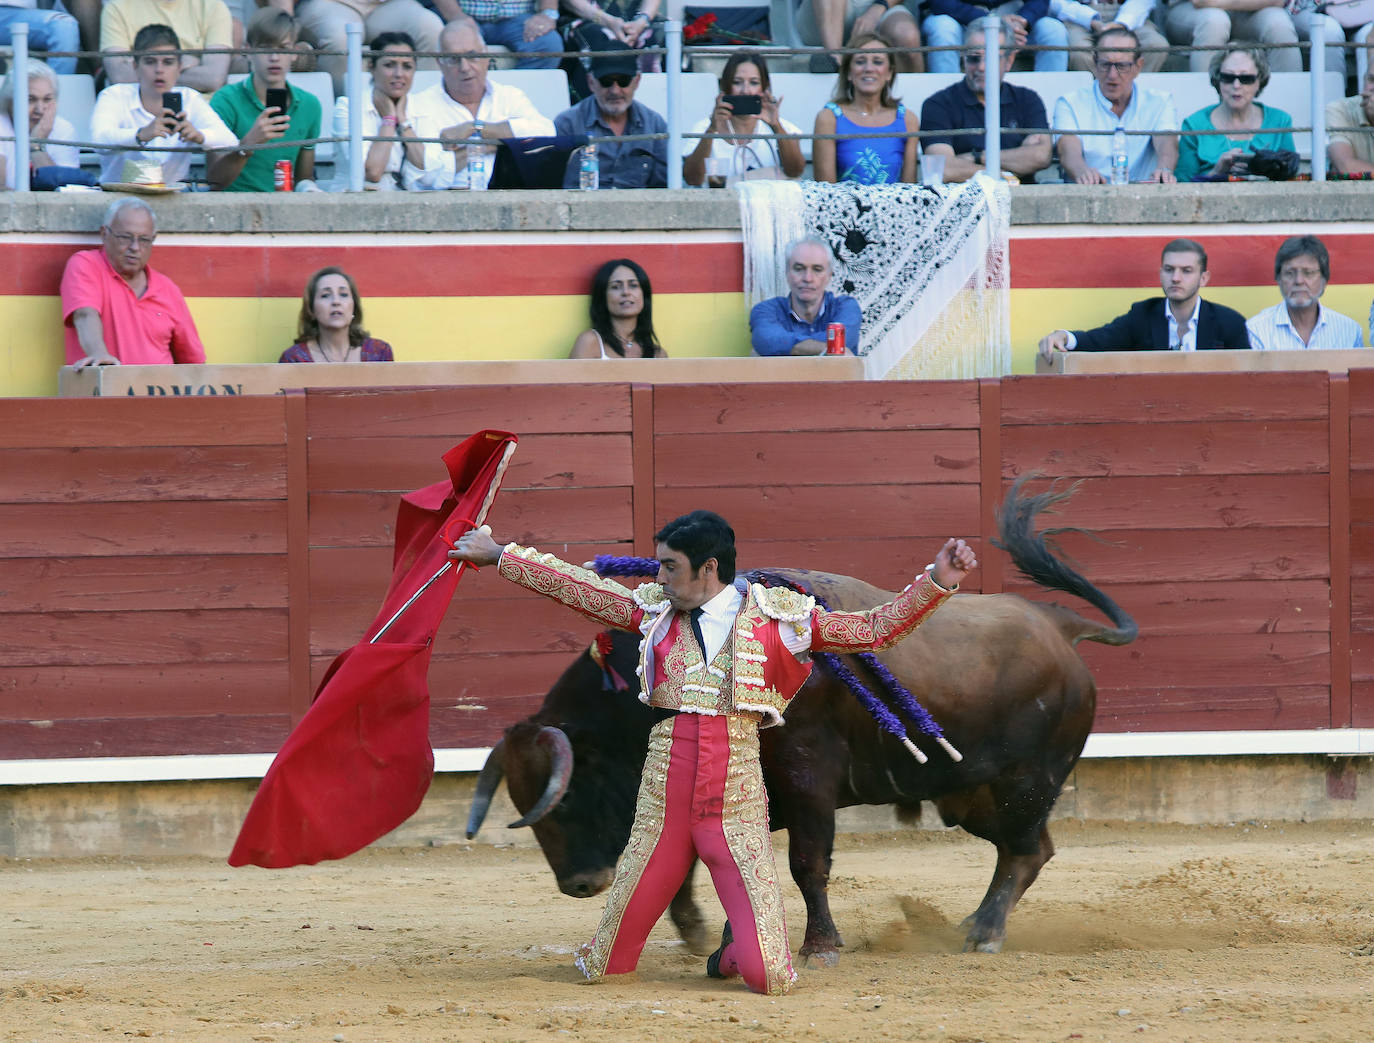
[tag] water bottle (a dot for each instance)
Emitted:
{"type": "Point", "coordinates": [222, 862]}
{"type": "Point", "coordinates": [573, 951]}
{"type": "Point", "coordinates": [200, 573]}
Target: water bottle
{"type": "Point", "coordinates": [477, 162]}
{"type": "Point", "coordinates": [1121, 162]}
{"type": "Point", "coordinates": [589, 169]}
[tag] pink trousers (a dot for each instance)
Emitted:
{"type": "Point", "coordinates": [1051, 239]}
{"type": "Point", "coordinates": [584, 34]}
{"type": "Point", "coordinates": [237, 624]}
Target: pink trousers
{"type": "Point", "coordinates": [701, 796]}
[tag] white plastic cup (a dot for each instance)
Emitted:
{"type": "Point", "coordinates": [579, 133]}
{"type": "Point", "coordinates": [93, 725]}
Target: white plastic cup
{"type": "Point", "coordinates": [932, 169]}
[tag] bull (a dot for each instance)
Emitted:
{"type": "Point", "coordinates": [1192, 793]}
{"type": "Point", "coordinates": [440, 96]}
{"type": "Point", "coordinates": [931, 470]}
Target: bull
{"type": "Point", "coordinates": [998, 672]}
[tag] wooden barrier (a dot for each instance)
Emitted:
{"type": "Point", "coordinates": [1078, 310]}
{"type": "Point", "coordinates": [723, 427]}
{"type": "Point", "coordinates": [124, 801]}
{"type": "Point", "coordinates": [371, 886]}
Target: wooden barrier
{"type": "Point", "coordinates": [179, 574]}
{"type": "Point", "coordinates": [1227, 361]}
{"type": "Point", "coordinates": [270, 379]}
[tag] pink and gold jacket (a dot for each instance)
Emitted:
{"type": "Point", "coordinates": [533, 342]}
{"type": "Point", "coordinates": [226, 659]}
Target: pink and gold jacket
{"type": "Point", "coordinates": [754, 674]}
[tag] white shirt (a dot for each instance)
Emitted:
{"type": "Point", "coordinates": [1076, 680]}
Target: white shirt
{"type": "Point", "coordinates": [718, 620]}
{"type": "Point", "coordinates": [372, 125]}
{"type": "Point", "coordinates": [1272, 330]}
{"type": "Point", "coordinates": [62, 155]}
{"type": "Point", "coordinates": [1088, 109]}
{"type": "Point", "coordinates": [1187, 339]}
{"type": "Point", "coordinates": [756, 159]}
{"type": "Point", "coordinates": [119, 115]}
{"type": "Point", "coordinates": [432, 110]}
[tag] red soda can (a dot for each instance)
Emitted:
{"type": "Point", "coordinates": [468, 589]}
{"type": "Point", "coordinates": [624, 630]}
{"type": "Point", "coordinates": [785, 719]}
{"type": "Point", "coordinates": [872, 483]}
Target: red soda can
{"type": "Point", "coordinates": [834, 339]}
{"type": "Point", "coordinates": [283, 176]}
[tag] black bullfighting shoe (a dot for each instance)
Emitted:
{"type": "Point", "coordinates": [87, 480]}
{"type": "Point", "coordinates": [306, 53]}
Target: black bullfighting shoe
{"type": "Point", "coordinates": [713, 961]}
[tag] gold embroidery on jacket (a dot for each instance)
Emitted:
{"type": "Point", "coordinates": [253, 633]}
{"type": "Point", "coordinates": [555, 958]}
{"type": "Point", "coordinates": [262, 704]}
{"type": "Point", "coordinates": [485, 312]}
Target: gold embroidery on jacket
{"type": "Point", "coordinates": [880, 627]}
{"type": "Point", "coordinates": [582, 590]}
{"type": "Point", "coordinates": [683, 680]}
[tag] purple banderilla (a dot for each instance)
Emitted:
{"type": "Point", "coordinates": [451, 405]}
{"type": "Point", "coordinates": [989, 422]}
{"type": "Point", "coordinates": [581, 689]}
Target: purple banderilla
{"type": "Point", "coordinates": [611, 565]}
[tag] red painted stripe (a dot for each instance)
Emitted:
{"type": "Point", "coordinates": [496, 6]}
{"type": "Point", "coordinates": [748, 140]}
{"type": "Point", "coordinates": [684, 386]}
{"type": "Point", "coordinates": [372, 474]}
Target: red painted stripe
{"type": "Point", "coordinates": [245, 270]}
{"type": "Point", "coordinates": [1109, 261]}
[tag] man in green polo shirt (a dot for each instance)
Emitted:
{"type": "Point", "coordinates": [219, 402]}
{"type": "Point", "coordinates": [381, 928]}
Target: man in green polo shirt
{"type": "Point", "coordinates": [242, 106]}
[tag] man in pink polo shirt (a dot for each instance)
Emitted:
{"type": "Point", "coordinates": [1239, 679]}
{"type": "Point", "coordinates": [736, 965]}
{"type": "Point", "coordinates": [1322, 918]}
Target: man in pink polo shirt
{"type": "Point", "coordinates": [117, 309]}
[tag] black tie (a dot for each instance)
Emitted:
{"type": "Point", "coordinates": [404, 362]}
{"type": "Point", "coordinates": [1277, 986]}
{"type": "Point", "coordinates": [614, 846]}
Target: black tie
{"type": "Point", "coordinates": [696, 630]}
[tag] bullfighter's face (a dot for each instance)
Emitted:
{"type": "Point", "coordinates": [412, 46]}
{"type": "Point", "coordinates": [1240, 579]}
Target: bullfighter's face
{"type": "Point", "coordinates": [686, 588]}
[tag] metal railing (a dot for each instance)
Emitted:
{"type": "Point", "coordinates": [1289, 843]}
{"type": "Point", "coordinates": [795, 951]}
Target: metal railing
{"type": "Point", "coordinates": [356, 88]}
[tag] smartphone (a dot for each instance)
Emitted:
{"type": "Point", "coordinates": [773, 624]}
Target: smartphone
{"type": "Point", "coordinates": [171, 101]}
{"type": "Point", "coordinates": [278, 98]}
{"type": "Point", "coordinates": [744, 104]}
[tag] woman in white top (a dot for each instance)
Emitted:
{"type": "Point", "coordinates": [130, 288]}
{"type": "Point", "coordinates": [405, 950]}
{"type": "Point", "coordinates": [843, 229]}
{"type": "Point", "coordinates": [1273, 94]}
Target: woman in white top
{"type": "Point", "coordinates": [386, 117]}
{"type": "Point", "coordinates": [44, 122]}
{"type": "Point", "coordinates": [719, 162]}
{"type": "Point", "coordinates": [622, 311]}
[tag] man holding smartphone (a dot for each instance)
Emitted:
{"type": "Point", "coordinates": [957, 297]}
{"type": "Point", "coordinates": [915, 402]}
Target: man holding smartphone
{"type": "Point", "coordinates": [153, 112]}
{"type": "Point", "coordinates": [264, 107]}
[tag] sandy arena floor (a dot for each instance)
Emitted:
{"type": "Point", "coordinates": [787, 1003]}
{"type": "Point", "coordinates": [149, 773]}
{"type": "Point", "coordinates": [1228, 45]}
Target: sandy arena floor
{"type": "Point", "coordinates": [1248, 932]}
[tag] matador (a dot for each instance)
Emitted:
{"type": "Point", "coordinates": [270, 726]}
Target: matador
{"type": "Point", "coordinates": [719, 659]}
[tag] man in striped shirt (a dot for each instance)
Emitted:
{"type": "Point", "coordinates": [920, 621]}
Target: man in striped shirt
{"type": "Point", "coordinates": [1299, 322]}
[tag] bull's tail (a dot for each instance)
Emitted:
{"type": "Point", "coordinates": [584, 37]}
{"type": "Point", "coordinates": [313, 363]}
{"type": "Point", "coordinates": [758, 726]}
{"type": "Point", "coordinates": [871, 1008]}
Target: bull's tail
{"type": "Point", "coordinates": [1038, 563]}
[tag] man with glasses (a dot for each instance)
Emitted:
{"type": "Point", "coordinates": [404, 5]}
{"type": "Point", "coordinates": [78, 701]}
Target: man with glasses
{"type": "Point", "coordinates": [116, 308]}
{"type": "Point", "coordinates": [129, 117]}
{"type": "Point", "coordinates": [961, 105]}
{"type": "Point", "coordinates": [609, 113]}
{"type": "Point", "coordinates": [1299, 322]}
{"type": "Point", "coordinates": [463, 107]}
{"type": "Point", "coordinates": [1114, 101]}
{"type": "Point", "coordinates": [1179, 321]}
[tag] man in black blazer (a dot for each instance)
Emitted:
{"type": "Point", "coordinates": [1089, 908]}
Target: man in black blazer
{"type": "Point", "coordinates": [1178, 321]}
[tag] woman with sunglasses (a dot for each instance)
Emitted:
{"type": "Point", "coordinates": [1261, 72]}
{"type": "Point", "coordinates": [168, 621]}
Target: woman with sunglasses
{"type": "Point", "coordinates": [1239, 73]}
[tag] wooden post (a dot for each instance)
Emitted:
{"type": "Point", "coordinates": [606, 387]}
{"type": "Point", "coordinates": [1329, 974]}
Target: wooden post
{"type": "Point", "coordinates": [1342, 707]}
{"type": "Point", "coordinates": [297, 555]}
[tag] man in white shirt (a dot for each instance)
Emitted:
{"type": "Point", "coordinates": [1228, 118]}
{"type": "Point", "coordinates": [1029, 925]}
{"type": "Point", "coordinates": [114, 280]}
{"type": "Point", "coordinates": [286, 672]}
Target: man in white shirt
{"type": "Point", "coordinates": [1302, 268]}
{"type": "Point", "coordinates": [463, 104]}
{"type": "Point", "coordinates": [1114, 101]}
{"type": "Point", "coordinates": [1085, 20]}
{"type": "Point", "coordinates": [131, 116]}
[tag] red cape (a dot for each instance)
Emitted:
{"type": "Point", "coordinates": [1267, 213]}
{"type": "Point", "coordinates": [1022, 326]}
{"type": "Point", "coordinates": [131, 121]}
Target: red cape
{"type": "Point", "coordinates": [359, 762]}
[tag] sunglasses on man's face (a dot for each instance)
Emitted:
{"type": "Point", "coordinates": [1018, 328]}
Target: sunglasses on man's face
{"type": "Point", "coordinates": [1247, 78]}
{"type": "Point", "coordinates": [618, 80]}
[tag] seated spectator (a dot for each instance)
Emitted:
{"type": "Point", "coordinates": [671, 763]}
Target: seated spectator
{"type": "Point", "coordinates": [44, 122]}
{"type": "Point", "coordinates": [1085, 21]}
{"type": "Point", "coordinates": [1352, 151]}
{"type": "Point", "coordinates": [324, 23]}
{"type": "Point", "coordinates": [464, 104]}
{"type": "Point", "coordinates": [630, 22]}
{"type": "Point", "coordinates": [118, 309]}
{"type": "Point", "coordinates": [387, 117]}
{"type": "Point", "coordinates": [49, 30]}
{"type": "Point", "coordinates": [128, 116]}
{"type": "Point", "coordinates": [1210, 24]}
{"type": "Point", "coordinates": [797, 324]}
{"type": "Point", "coordinates": [1030, 21]}
{"type": "Point", "coordinates": [863, 102]}
{"type": "Point", "coordinates": [199, 25]}
{"type": "Point", "coordinates": [1302, 268]}
{"type": "Point", "coordinates": [1115, 101]}
{"type": "Point", "coordinates": [828, 23]}
{"type": "Point", "coordinates": [961, 105]}
{"type": "Point", "coordinates": [1179, 321]}
{"type": "Point", "coordinates": [243, 107]}
{"type": "Point", "coordinates": [522, 26]}
{"type": "Point", "coordinates": [720, 162]}
{"type": "Point", "coordinates": [622, 311]}
{"type": "Point", "coordinates": [330, 328]}
{"type": "Point", "coordinates": [1239, 74]}
{"type": "Point", "coordinates": [610, 112]}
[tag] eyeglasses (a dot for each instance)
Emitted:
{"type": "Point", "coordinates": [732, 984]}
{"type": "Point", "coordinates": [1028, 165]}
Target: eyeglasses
{"type": "Point", "coordinates": [1293, 274]}
{"type": "Point", "coordinates": [1121, 67]}
{"type": "Point", "coordinates": [124, 239]}
{"type": "Point", "coordinates": [455, 60]}
{"type": "Point", "coordinates": [617, 80]}
{"type": "Point", "coordinates": [1247, 78]}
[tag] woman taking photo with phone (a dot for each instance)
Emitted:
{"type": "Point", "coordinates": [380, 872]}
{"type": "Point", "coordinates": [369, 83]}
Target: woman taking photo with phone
{"type": "Point", "coordinates": [745, 105]}
{"type": "Point", "coordinates": [622, 311]}
{"type": "Point", "coordinates": [330, 328]}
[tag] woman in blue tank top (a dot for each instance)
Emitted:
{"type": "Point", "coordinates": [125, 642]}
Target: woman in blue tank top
{"type": "Point", "coordinates": [863, 103]}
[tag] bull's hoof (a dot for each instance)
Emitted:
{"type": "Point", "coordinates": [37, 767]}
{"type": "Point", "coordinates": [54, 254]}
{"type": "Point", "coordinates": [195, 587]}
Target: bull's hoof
{"type": "Point", "coordinates": [824, 959]}
{"type": "Point", "coordinates": [992, 945]}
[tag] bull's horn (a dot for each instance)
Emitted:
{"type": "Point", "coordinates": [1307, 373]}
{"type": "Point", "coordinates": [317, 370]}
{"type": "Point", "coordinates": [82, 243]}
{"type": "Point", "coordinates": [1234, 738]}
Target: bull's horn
{"type": "Point", "coordinates": [560, 774]}
{"type": "Point", "coordinates": [486, 787]}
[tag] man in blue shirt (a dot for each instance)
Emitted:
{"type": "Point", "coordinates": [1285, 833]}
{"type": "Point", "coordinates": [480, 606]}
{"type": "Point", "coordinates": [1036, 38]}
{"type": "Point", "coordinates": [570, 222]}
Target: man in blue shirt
{"type": "Point", "coordinates": [961, 105]}
{"type": "Point", "coordinates": [796, 324]}
{"type": "Point", "coordinates": [609, 112]}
